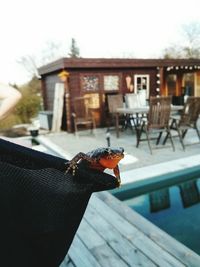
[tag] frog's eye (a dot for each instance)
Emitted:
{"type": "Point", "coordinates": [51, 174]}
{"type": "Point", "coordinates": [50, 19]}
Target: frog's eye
{"type": "Point", "coordinates": [122, 149]}
{"type": "Point", "coordinates": [107, 150]}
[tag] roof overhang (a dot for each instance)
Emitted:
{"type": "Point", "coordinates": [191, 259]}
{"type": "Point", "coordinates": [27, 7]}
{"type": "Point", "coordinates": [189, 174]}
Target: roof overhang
{"type": "Point", "coordinates": [114, 63]}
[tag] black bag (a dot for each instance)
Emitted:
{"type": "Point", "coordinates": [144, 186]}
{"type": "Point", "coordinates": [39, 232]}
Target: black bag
{"type": "Point", "coordinates": [41, 206]}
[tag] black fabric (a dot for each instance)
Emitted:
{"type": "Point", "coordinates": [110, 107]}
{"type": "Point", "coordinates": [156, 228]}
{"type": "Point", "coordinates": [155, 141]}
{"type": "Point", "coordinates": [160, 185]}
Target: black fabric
{"type": "Point", "coordinates": [41, 206]}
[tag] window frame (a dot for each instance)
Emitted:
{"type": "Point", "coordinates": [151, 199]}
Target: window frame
{"type": "Point", "coordinates": [147, 77]}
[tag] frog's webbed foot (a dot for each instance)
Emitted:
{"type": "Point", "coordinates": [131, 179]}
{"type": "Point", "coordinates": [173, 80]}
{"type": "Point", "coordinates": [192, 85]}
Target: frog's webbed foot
{"type": "Point", "coordinates": [117, 174]}
{"type": "Point", "coordinates": [73, 164]}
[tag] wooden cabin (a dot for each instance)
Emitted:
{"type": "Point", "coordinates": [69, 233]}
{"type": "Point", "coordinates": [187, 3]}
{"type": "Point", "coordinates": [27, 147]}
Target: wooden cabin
{"type": "Point", "coordinates": [100, 77]}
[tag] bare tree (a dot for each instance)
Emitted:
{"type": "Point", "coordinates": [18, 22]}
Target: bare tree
{"type": "Point", "coordinates": [173, 51]}
{"type": "Point", "coordinates": [31, 63]}
{"type": "Point", "coordinates": [190, 45]}
{"type": "Point", "coordinates": [191, 32]}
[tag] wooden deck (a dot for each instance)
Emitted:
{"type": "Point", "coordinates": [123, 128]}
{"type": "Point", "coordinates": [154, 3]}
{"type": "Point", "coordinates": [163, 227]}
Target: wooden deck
{"type": "Point", "coordinates": [113, 235]}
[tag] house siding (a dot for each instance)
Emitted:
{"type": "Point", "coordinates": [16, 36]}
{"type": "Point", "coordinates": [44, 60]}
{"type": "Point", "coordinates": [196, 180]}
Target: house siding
{"type": "Point", "coordinates": [79, 67]}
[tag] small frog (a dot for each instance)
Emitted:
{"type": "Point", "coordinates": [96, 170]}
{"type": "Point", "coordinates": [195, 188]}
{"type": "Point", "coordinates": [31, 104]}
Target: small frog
{"type": "Point", "coordinates": [99, 159]}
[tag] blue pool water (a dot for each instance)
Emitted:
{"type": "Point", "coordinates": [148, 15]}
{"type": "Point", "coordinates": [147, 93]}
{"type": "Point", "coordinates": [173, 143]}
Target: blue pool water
{"type": "Point", "coordinates": [174, 209]}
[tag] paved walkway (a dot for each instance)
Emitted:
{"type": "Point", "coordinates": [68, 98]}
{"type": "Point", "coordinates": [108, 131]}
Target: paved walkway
{"type": "Point", "coordinates": [137, 161]}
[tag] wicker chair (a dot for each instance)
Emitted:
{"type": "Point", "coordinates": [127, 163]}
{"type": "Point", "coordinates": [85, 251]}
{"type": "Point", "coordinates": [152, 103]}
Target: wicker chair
{"type": "Point", "coordinates": [82, 115]}
{"type": "Point", "coordinates": [187, 120]}
{"type": "Point", "coordinates": [156, 122]}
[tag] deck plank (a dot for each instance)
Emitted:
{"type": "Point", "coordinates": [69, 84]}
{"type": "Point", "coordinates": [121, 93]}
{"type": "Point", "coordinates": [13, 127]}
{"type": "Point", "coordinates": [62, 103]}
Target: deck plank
{"type": "Point", "coordinates": [128, 252]}
{"type": "Point", "coordinates": [98, 246]}
{"type": "Point", "coordinates": [67, 262]}
{"type": "Point", "coordinates": [138, 238]}
{"type": "Point", "coordinates": [111, 234]}
{"type": "Point", "coordinates": [81, 256]}
{"type": "Point", "coordinates": [165, 241]}
{"type": "Point", "coordinates": [86, 233]}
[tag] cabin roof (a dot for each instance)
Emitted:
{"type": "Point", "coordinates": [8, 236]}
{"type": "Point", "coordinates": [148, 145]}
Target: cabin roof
{"type": "Point", "coordinates": [114, 63]}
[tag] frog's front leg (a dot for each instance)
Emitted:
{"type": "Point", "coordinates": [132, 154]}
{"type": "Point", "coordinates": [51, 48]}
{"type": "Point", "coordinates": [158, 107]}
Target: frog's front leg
{"type": "Point", "coordinates": [73, 162]}
{"type": "Point", "coordinates": [117, 174]}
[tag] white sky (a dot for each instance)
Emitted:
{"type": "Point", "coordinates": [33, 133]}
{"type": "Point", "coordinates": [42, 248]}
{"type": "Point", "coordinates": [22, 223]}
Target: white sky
{"type": "Point", "coordinates": [103, 28]}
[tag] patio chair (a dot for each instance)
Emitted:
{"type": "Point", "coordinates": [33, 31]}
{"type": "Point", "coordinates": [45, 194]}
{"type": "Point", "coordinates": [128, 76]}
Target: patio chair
{"type": "Point", "coordinates": [114, 102]}
{"type": "Point", "coordinates": [189, 193]}
{"type": "Point", "coordinates": [133, 101]}
{"type": "Point", "coordinates": [187, 120]}
{"type": "Point", "coordinates": [157, 121]}
{"type": "Point", "coordinates": [82, 115]}
{"type": "Point", "coordinates": [159, 200]}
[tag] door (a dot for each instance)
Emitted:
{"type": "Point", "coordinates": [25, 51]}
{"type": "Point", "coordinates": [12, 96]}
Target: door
{"type": "Point", "coordinates": [141, 87]}
{"type": "Point", "coordinates": [197, 84]}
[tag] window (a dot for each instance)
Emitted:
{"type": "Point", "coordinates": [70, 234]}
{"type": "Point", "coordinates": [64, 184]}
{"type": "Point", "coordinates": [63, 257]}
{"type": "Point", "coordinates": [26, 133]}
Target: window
{"type": "Point", "coordinates": [141, 82]}
{"type": "Point", "coordinates": [90, 82]}
{"type": "Point", "coordinates": [141, 85]}
{"type": "Point", "coordinates": [111, 82]}
{"type": "Point", "coordinates": [93, 100]}
{"type": "Point", "coordinates": [171, 84]}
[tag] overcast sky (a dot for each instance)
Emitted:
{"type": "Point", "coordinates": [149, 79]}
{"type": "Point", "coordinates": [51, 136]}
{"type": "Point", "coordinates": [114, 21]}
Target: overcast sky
{"type": "Point", "coordinates": [103, 28]}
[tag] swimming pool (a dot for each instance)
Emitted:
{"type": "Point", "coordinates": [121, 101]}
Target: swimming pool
{"type": "Point", "coordinates": [171, 202]}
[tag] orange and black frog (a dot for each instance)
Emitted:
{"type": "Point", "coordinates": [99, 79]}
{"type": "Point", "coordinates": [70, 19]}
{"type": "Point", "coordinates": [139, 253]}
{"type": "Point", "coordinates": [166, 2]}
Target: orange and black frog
{"type": "Point", "coordinates": [99, 159]}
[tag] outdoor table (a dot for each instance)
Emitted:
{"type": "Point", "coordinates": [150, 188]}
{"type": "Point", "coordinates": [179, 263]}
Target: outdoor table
{"type": "Point", "coordinates": [136, 111]}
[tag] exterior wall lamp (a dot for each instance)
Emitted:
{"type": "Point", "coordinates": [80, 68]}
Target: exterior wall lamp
{"type": "Point", "coordinates": [63, 75]}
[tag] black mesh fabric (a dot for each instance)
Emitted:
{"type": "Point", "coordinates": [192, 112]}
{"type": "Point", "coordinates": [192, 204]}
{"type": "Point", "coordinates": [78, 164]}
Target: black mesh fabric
{"type": "Point", "coordinates": [41, 206]}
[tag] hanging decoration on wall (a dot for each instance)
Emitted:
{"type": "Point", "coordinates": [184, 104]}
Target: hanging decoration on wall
{"type": "Point", "coordinates": [131, 88]}
{"type": "Point", "coordinates": [90, 82]}
{"type": "Point", "coordinates": [129, 83]}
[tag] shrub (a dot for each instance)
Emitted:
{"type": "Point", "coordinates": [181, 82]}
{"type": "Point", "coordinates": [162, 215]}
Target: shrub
{"type": "Point", "coordinates": [28, 107]}
{"type": "Point", "coordinates": [10, 121]}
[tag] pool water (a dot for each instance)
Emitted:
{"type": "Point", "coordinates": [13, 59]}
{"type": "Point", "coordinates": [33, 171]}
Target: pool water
{"type": "Point", "coordinates": [175, 209]}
